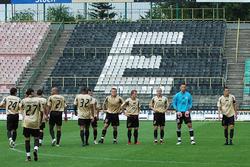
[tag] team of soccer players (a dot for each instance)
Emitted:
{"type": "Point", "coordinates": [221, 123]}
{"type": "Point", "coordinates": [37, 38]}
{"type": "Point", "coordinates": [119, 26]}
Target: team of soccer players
{"type": "Point", "coordinates": [36, 110]}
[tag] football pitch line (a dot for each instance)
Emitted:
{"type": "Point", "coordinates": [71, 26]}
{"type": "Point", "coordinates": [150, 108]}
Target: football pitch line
{"type": "Point", "coordinates": [132, 160]}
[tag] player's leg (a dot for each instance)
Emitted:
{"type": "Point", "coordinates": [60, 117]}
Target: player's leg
{"type": "Point", "coordinates": [58, 135]}
{"type": "Point", "coordinates": [179, 121]}
{"type": "Point", "coordinates": [155, 134]}
{"type": "Point", "coordinates": [14, 128]}
{"type": "Point", "coordinates": [104, 130]}
{"type": "Point", "coordinates": [52, 124]}
{"type": "Point", "coordinates": [9, 130]}
{"type": "Point", "coordinates": [35, 134]}
{"type": "Point", "coordinates": [162, 134]}
{"type": "Point", "coordinates": [94, 126]}
{"type": "Point", "coordinates": [136, 130]}
{"type": "Point", "coordinates": [81, 125]}
{"type": "Point", "coordinates": [191, 132]}
{"type": "Point", "coordinates": [231, 127]}
{"type": "Point", "coordinates": [41, 134]}
{"type": "Point", "coordinates": [87, 124]}
{"type": "Point", "coordinates": [115, 134]}
{"type": "Point", "coordinates": [26, 135]}
{"type": "Point", "coordinates": [129, 134]}
{"type": "Point", "coordinates": [59, 128]}
{"type": "Point", "coordinates": [224, 123]}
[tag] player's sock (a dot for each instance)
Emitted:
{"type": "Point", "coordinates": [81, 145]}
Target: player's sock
{"type": "Point", "coordinates": [87, 136]}
{"type": "Point", "coordinates": [51, 131]}
{"type": "Point", "coordinates": [95, 134]}
{"type": "Point", "coordinates": [231, 136]}
{"type": "Point", "coordinates": [155, 134]}
{"type": "Point", "coordinates": [129, 135]}
{"type": "Point", "coordinates": [9, 135]}
{"type": "Point", "coordinates": [36, 143]}
{"type": "Point", "coordinates": [41, 136]}
{"type": "Point", "coordinates": [82, 136]}
{"type": "Point", "coordinates": [226, 134]}
{"type": "Point", "coordinates": [191, 133]}
{"type": "Point", "coordinates": [178, 136]}
{"type": "Point", "coordinates": [136, 135]}
{"type": "Point", "coordinates": [115, 132]}
{"type": "Point", "coordinates": [14, 135]}
{"type": "Point", "coordinates": [27, 147]}
{"type": "Point", "coordinates": [58, 137]}
{"type": "Point", "coordinates": [104, 133]}
{"type": "Point", "coordinates": [162, 133]}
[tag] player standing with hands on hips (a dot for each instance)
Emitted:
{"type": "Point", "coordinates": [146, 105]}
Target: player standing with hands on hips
{"type": "Point", "coordinates": [227, 107]}
{"type": "Point", "coordinates": [182, 103]}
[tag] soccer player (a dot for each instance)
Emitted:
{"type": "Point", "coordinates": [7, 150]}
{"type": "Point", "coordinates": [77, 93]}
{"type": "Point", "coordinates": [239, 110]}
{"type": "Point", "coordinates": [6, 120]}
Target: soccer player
{"type": "Point", "coordinates": [132, 106]}
{"type": "Point", "coordinates": [43, 101]}
{"type": "Point", "coordinates": [182, 103]}
{"type": "Point", "coordinates": [159, 105]}
{"type": "Point", "coordinates": [11, 103]}
{"type": "Point", "coordinates": [56, 106]}
{"type": "Point", "coordinates": [112, 107]}
{"type": "Point", "coordinates": [227, 107]}
{"type": "Point", "coordinates": [84, 109]}
{"type": "Point", "coordinates": [96, 116]}
{"type": "Point", "coordinates": [32, 112]}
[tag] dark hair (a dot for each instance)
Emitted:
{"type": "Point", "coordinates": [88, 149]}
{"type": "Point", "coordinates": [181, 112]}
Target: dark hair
{"type": "Point", "coordinates": [113, 88]}
{"type": "Point", "coordinates": [133, 91]}
{"type": "Point", "coordinates": [84, 90]}
{"type": "Point", "coordinates": [29, 91]}
{"type": "Point", "coordinates": [225, 87]}
{"type": "Point", "coordinates": [183, 83]}
{"type": "Point", "coordinates": [13, 91]}
{"type": "Point", "coordinates": [89, 90]}
{"type": "Point", "coordinates": [39, 92]}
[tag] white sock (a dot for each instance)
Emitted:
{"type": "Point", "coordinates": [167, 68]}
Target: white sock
{"type": "Point", "coordinates": [28, 154]}
{"type": "Point", "coordinates": [192, 137]}
{"type": "Point", "coordinates": [10, 139]}
{"type": "Point", "coordinates": [40, 141]}
{"type": "Point", "coordinates": [36, 148]}
{"type": "Point", "coordinates": [179, 138]}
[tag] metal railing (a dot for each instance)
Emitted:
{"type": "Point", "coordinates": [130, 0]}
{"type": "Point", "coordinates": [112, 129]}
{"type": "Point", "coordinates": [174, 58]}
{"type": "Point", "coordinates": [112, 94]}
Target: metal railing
{"type": "Point", "coordinates": [154, 51]}
{"type": "Point", "coordinates": [86, 81]}
{"type": "Point", "coordinates": [237, 42]}
{"type": "Point", "coordinates": [42, 60]}
{"type": "Point", "coordinates": [134, 14]}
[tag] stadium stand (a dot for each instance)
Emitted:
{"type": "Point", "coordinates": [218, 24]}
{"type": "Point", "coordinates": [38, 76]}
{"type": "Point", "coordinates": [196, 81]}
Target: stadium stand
{"type": "Point", "coordinates": [19, 43]}
{"type": "Point", "coordinates": [143, 55]}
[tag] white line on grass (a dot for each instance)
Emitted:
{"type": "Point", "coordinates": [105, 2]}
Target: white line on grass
{"type": "Point", "coordinates": [130, 160]}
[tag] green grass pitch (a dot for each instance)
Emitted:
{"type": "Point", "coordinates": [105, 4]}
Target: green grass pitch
{"type": "Point", "coordinates": [209, 151]}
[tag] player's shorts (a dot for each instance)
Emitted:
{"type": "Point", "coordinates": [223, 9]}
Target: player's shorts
{"type": "Point", "coordinates": [84, 122]}
{"type": "Point", "coordinates": [12, 121]}
{"type": "Point", "coordinates": [179, 120]}
{"type": "Point", "coordinates": [133, 121]}
{"type": "Point", "coordinates": [159, 119]}
{"type": "Point", "coordinates": [42, 126]}
{"type": "Point", "coordinates": [227, 120]}
{"type": "Point", "coordinates": [94, 123]}
{"type": "Point", "coordinates": [112, 119]}
{"type": "Point", "coordinates": [55, 118]}
{"type": "Point", "coordinates": [27, 132]}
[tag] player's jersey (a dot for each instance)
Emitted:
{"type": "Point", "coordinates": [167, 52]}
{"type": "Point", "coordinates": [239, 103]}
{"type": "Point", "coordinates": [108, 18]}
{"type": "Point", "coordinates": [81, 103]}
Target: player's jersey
{"type": "Point", "coordinates": [227, 105]}
{"type": "Point", "coordinates": [31, 109]}
{"type": "Point", "coordinates": [57, 103]}
{"type": "Point", "coordinates": [113, 104]}
{"type": "Point", "coordinates": [11, 104]}
{"type": "Point", "coordinates": [132, 106]}
{"type": "Point", "coordinates": [43, 102]}
{"type": "Point", "coordinates": [84, 103]}
{"type": "Point", "coordinates": [160, 104]}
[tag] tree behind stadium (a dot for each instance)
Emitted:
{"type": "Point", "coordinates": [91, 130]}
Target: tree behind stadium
{"type": "Point", "coordinates": [102, 11]}
{"type": "Point", "coordinates": [60, 13]}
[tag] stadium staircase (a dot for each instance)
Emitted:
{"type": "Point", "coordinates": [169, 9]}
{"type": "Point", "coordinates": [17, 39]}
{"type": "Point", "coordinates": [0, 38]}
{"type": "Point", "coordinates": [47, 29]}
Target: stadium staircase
{"type": "Point", "coordinates": [52, 59]}
{"type": "Point", "coordinates": [235, 73]}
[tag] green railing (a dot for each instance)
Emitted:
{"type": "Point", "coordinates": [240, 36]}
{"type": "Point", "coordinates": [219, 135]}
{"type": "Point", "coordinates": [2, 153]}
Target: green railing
{"type": "Point", "coordinates": [42, 61]}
